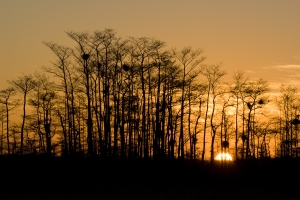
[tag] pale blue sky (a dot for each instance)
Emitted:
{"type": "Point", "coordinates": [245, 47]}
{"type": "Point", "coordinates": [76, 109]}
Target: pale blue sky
{"type": "Point", "coordinates": [259, 36]}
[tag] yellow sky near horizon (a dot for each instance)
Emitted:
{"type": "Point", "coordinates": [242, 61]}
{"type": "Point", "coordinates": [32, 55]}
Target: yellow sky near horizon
{"type": "Point", "coordinates": [260, 37]}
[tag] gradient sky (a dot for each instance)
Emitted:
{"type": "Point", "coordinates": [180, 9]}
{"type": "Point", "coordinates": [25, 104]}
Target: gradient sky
{"type": "Point", "coordinates": [261, 37]}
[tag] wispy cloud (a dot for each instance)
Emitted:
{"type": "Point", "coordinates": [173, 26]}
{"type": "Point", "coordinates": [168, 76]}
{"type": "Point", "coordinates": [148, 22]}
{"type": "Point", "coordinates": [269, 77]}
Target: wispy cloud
{"type": "Point", "coordinates": [285, 67]}
{"type": "Point", "coordinates": [249, 71]}
{"type": "Point", "coordinates": [296, 57]}
{"type": "Point", "coordinates": [289, 70]}
{"type": "Point", "coordinates": [32, 66]}
{"type": "Point", "coordinates": [278, 74]}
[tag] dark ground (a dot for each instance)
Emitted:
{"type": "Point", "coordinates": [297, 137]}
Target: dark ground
{"type": "Point", "coordinates": [56, 178]}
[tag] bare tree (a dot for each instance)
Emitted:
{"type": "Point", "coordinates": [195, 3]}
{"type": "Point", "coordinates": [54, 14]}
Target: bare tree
{"type": "Point", "coordinates": [25, 84]}
{"type": "Point", "coordinates": [189, 60]}
{"type": "Point", "coordinates": [237, 88]}
{"type": "Point", "coordinates": [254, 99]}
{"type": "Point", "coordinates": [201, 91]}
{"type": "Point", "coordinates": [62, 70]}
{"type": "Point", "coordinates": [213, 74]}
{"type": "Point", "coordinates": [5, 98]}
{"type": "Point", "coordinates": [287, 104]}
{"type": "Point", "coordinates": [44, 103]}
{"type": "Point", "coordinates": [140, 53]}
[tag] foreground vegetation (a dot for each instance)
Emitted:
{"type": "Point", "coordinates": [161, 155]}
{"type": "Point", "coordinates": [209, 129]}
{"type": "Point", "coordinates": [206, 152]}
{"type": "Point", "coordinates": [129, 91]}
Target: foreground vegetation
{"type": "Point", "coordinates": [134, 98]}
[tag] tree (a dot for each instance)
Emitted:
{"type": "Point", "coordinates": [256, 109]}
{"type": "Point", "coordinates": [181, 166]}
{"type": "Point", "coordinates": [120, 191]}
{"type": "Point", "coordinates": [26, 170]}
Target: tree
{"type": "Point", "coordinates": [119, 54]}
{"type": "Point", "coordinates": [213, 74]}
{"type": "Point", "coordinates": [287, 103]}
{"type": "Point", "coordinates": [172, 87]}
{"type": "Point", "coordinates": [25, 84]}
{"type": "Point", "coordinates": [5, 98]}
{"type": "Point", "coordinates": [254, 99]}
{"type": "Point", "coordinates": [201, 91]}
{"type": "Point", "coordinates": [239, 82]}
{"type": "Point", "coordinates": [189, 60]}
{"type": "Point", "coordinates": [63, 70]}
{"type": "Point", "coordinates": [106, 39]}
{"type": "Point", "coordinates": [161, 61]}
{"type": "Point", "coordinates": [141, 59]}
{"type": "Point", "coordinates": [82, 39]}
{"type": "Point", "coordinates": [44, 104]}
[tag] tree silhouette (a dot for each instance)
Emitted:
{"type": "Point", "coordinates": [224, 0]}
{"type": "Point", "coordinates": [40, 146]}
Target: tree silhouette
{"type": "Point", "coordinates": [44, 103]}
{"type": "Point", "coordinates": [25, 84]}
{"type": "Point", "coordinates": [5, 98]}
{"type": "Point", "coordinates": [254, 100]}
{"type": "Point", "coordinates": [135, 98]}
{"type": "Point", "coordinates": [239, 82]}
{"type": "Point", "coordinates": [63, 70]}
{"type": "Point", "coordinates": [288, 105]}
{"type": "Point", "coordinates": [189, 60]}
{"type": "Point", "coordinates": [213, 74]}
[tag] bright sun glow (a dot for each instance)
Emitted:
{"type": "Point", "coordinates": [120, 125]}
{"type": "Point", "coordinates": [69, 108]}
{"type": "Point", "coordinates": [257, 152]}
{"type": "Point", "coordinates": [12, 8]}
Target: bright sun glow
{"type": "Point", "coordinates": [223, 156]}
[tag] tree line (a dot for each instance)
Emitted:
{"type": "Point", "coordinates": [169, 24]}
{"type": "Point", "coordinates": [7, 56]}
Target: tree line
{"type": "Point", "coordinates": [136, 98]}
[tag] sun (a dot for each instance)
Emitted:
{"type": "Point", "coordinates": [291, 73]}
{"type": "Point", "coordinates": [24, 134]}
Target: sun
{"type": "Point", "coordinates": [223, 156]}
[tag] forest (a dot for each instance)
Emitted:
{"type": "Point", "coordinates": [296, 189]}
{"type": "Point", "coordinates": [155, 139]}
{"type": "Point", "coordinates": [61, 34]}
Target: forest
{"type": "Point", "coordinates": [137, 98]}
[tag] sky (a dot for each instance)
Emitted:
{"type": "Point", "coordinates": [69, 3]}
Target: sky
{"type": "Point", "coordinates": [261, 37]}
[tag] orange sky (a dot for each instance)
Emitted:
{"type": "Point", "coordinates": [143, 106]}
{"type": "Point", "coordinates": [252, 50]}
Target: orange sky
{"type": "Point", "coordinates": [261, 37]}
